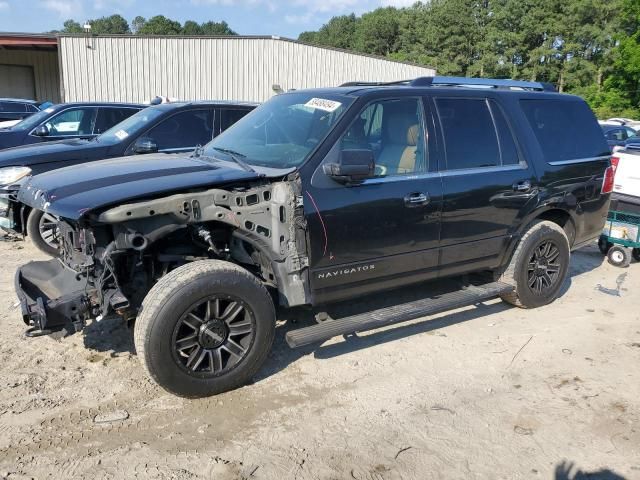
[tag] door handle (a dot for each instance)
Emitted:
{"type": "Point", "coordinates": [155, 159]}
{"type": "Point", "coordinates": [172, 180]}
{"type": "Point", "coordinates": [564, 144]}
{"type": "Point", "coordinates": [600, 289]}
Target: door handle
{"type": "Point", "coordinates": [523, 186]}
{"type": "Point", "coordinates": [416, 199]}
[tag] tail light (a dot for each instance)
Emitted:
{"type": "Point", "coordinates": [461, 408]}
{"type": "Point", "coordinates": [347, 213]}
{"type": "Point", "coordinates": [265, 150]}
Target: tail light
{"type": "Point", "coordinates": [609, 176]}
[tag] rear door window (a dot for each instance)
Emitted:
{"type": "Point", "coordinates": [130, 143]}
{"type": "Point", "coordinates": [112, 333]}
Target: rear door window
{"type": "Point", "coordinates": [470, 137]}
{"type": "Point", "coordinates": [565, 129]}
{"type": "Point", "coordinates": [183, 130]}
{"type": "Point", "coordinates": [110, 116]}
{"type": "Point", "coordinates": [229, 116]}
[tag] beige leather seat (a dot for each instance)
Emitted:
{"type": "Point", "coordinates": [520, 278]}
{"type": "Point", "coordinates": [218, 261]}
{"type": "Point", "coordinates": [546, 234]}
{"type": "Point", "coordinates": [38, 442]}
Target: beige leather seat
{"type": "Point", "coordinates": [398, 154]}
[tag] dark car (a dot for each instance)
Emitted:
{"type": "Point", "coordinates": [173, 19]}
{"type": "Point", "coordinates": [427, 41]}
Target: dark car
{"type": "Point", "coordinates": [618, 135]}
{"type": "Point", "coordinates": [18, 109]}
{"type": "Point", "coordinates": [66, 121]}
{"type": "Point", "coordinates": [166, 128]}
{"type": "Point", "coordinates": [319, 196]}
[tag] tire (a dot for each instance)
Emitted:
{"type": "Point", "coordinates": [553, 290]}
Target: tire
{"type": "Point", "coordinates": [542, 246]}
{"type": "Point", "coordinates": [604, 245]}
{"type": "Point", "coordinates": [636, 254]}
{"type": "Point", "coordinates": [190, 311]}
{"type": "Point", "coordinates": [36, 231]}
{"type": "Point", "coordinates": [619, 256]}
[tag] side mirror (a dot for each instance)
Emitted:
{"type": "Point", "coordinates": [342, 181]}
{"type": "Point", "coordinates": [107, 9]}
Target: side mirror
{"type": "Point", "coordinates": [41, 131]}
{"type": "Point", "coordinates": [145, 145]}
{"type": "Point", "coordinates": [353, 167]}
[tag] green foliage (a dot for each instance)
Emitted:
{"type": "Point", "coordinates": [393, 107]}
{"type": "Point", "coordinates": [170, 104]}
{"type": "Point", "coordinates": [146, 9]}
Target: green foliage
{"type": "Point", "coordinates": [587, 47]}
{"type": "Point", "coordinates": [158, 25]}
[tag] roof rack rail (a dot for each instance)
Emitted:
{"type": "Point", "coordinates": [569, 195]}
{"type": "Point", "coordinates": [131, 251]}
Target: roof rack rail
{"type": "Point", "coordinates": [503, 84]}
{"type": "Point", "coordinates": [375, 84]}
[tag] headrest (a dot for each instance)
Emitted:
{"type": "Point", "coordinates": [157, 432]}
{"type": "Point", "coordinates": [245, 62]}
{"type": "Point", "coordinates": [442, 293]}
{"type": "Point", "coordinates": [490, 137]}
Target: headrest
{"type": "Point", "coordinates": [412, 135]}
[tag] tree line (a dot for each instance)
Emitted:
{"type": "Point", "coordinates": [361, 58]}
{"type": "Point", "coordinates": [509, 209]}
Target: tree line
{"type": "Point", "coordinates": [587, 47]}
{"type": "Point", "coordinates": [158, 25]}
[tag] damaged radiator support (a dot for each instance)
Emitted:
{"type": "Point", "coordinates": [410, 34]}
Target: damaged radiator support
{"type": "Point", "coordinates": [268, 216]}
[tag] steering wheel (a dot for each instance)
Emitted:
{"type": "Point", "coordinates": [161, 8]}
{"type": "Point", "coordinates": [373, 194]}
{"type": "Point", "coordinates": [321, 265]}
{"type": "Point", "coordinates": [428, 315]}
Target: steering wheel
{"type": "Point", "coordinates": [380, 171]}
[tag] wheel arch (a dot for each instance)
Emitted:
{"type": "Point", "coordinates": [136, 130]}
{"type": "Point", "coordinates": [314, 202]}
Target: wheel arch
{"type": "Point", "coordinates": [560, 216]}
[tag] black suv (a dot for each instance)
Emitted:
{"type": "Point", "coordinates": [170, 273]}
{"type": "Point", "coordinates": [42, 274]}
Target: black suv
{"type": "Point", "coordinates": [18, 109]}
{"type": "Point", "coordinates": [167, 128]}
{"type": "Point", "coordinates": [65, 121]}
{"type": "Point", "coordinates": [318, 196]}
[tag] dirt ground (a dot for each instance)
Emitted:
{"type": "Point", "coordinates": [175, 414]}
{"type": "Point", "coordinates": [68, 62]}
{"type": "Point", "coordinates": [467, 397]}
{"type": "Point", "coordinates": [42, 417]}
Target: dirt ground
{"type": "Point", "coordinates": [489, 392]}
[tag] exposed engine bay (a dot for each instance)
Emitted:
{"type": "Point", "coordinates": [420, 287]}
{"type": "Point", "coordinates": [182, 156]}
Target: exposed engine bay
{"type": "Point", "coordinates": [110, 259]}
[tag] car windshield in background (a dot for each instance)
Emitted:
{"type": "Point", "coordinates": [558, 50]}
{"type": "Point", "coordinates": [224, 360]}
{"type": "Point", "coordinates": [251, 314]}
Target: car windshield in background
{"type": "Point", "coordinates": [131, 125]}
{"type": "Point", "coordinates": [283, 131]}
{"type": "Point", "coordinates": [33, 120]}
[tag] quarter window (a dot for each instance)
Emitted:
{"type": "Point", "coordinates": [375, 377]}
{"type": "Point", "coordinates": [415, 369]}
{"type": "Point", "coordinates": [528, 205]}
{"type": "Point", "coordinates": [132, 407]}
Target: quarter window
{"type": "Point", "coordinates": [566, 129]}
{"type": "Point", "coordinates": [393, 131]}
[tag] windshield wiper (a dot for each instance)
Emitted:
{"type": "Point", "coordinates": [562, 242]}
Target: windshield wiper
{"type": "Point", "coordinates": [236, 157]}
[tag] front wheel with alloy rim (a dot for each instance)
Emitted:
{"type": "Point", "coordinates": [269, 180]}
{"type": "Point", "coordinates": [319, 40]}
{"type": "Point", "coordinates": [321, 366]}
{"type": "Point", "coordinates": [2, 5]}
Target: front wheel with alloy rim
{"type": "Point", "coordinates": [205, 328]}
{"type": "Point", "coordinates": [42, 229]}
{"type": "Point", "coordinates": [539, 266]}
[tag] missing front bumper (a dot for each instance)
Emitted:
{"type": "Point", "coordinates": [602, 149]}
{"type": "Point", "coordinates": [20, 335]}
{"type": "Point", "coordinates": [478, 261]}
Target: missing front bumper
{"type": "Point", "coordinates": [53, 298]}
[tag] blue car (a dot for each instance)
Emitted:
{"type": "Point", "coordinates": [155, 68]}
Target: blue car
{"type": "Point", "coordinates": [67, 121]}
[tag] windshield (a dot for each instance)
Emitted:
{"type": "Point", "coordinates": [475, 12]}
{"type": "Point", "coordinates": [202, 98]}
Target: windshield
{"type": "Point", "coordinates": [282, 132]}
{"type": "Point", "coordinates": [33, 120]}
{"type": "Point", "coordinates": [131, 125]}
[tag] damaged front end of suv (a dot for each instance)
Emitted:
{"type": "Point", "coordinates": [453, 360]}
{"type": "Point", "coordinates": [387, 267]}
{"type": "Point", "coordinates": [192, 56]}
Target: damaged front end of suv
{"type": "Point", "coordinates": [111, 257]}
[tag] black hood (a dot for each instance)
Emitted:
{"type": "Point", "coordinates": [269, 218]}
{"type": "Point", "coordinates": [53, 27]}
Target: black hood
{"type": "Point", "coordinates": [74, 191]}
{"type": "Point", "coordinates": [48, 152]}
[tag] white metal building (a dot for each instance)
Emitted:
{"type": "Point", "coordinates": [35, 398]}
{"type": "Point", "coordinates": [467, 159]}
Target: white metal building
{"type": "Point", "coordinates": [136, 68]}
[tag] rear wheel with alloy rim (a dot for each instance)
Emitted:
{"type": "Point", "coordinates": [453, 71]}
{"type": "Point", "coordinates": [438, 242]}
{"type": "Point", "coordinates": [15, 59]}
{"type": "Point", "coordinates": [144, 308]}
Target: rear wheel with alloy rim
{"type": "Point", "coordinates": [205, 328]}
{"type": "Point", "coordinates": [42, 229]}
{"type": "Point", "coordinates": [539, 266]}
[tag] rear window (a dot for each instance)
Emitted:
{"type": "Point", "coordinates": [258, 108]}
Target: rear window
{"type": "Point", "coordinates": [566, 130]}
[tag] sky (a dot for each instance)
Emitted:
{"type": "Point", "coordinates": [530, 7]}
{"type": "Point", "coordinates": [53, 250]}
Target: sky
{"type": "Point", "coordinates": [247, 17]}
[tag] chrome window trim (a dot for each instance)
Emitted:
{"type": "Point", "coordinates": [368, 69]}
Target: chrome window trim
{"type": "Point", "coordinates": [399, 178]}
{"type": "Point", "coordinates": [580, 160]}
{"type": "Point", "coordinates": [476, 171]}
{"type": "Point", "coordinates": [446, 173]}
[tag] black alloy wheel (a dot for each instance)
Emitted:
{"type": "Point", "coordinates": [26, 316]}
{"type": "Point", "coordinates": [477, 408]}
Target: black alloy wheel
{"type": "Point", "coordinates": [544, 267]}
{"type": "Point", "coordinates": [214, 336]}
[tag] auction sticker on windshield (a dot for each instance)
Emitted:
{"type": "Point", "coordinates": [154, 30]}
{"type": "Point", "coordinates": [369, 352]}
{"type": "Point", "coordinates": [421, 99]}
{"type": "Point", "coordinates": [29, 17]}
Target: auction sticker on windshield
{"type": "Point", "coordinates": [121, 134]}
{"type": "Point", "coordinates": [323, 104]}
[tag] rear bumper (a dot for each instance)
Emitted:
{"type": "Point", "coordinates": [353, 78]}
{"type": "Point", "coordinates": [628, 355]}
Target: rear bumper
{"type": "Point", "coordinates": [52, 298]}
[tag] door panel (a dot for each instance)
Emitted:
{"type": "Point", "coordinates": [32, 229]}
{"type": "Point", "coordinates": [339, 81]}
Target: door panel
{"type": "Point", "coordinates": [385, 231]}
{"type": "Point", "coordinates": [485, 184]}
{"type": "Point", "coordinates": [479, 212]}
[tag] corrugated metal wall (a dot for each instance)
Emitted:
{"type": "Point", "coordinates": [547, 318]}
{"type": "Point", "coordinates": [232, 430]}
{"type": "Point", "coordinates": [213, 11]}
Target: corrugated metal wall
{"type": "Point", "coordinates": [233, 68]}
{"type": "Point", "coordinates": [45, 70]}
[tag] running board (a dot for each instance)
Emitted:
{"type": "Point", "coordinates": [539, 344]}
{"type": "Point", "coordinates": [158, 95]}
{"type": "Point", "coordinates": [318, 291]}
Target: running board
{"type": "Point", "coordinates": [398, 313]}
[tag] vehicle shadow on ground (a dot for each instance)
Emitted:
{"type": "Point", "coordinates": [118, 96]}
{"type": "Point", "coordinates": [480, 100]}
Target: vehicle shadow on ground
{"type": "Point", "coordinates": [109, 335]}
{"type": "Point", "coordinates": [293, 319]}
{"type": "Point", "coordinates": [583, 261]}
{"type": "Point", "coordinates": [565, 471]}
